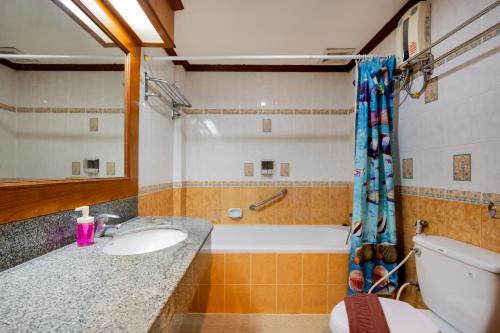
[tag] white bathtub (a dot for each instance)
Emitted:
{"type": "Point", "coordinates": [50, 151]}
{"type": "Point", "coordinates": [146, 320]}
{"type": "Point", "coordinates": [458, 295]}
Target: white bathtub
{"type": "Point", "coordinates": [277, 238]}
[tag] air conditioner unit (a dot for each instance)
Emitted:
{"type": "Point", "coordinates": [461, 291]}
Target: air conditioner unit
{"type": "Point", "coordinates": [413, 33]}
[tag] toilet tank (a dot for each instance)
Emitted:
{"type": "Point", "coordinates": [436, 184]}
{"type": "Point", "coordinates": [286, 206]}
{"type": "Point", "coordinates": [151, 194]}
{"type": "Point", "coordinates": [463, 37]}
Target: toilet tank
{"type": "Point", "coordinates": [459, 283]}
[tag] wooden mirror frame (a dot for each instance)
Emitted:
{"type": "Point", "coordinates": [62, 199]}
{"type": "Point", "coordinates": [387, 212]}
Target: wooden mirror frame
{"type": "Point", "coordinates": [22, 200]}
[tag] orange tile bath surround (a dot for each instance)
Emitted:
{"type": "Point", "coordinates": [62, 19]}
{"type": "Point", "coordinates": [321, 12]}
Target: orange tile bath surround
{"type": "Point", "coordinates": [249, 288]}
{"type": "Point", "coordinates": [262, 282]}
{"type": "Point", "coordinates": [305, 203]}
{"type": "Point", "coordinates": [271, 282]}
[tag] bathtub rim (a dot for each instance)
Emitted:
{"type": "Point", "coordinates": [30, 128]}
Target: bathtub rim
{"type": "Point", "coordinates": [334, 249]}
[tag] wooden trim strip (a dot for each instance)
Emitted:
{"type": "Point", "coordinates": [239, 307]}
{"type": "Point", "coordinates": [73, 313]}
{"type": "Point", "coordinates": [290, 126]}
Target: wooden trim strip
{"type": "Point", "coordinates": [82, 25]}
{"type": "Point", "coordinates": [176, 5]}
{"type": "Point", "coordinates": [124, 23]}
{"type": "Point", "coordinates": [384, 32]}
{"type": "Point", "coordinates": [183, 63]}
{"type": "Point", "coordinates": [64, 67]}
{"type": "Point", "coordinates": [153, 9]}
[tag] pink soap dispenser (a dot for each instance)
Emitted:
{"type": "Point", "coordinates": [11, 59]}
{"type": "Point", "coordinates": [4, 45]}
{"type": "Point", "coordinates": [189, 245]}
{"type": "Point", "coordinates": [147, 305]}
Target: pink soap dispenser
{"type": "Point", "coordinates": [84, 227]}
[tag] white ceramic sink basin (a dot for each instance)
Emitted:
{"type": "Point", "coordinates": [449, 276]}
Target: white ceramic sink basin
{"type": "Point", "coordinates": [144, 241]}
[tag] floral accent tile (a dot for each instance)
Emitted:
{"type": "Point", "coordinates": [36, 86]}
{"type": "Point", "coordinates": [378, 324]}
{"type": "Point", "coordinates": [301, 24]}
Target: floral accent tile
{"type": "Point", "coordinates": [110, 169]}
{"type": "Point", "coordinates": [267, 125]}
{"type": "Point", "coordinates": [408, 168]}
{"type": "Point", "coordinates": [462, 167]}
{"type": "Point", "coordinates": [75, 168]}
{"type": "Point", "coordinates": [285, 169]}
{"type": "Point", "coordinates": [248, 169]}
{"type": "Point", "coordinates": [93, 124]}
{"type": "Point", "coordinates": [431, 90]}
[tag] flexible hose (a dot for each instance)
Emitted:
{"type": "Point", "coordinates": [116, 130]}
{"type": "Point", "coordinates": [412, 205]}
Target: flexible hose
{"type": "Point", "coordinates": [392, 271]}
{"type": "Point", "coordinates": [400, 291]}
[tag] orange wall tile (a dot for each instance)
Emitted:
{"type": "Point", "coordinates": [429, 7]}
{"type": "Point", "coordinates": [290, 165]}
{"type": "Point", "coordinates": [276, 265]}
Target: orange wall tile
{"type": "Point", "coordinates": [271, 282]}
{"type": "Point", "coordinates": [289, 299]}
{"type": "Point", "coordinates": [465, 222]}
{"type": "Point", "coordinates": [264, 268]}
{"type": "Point", "coordinates": [315, 268]}
{"type": "Point", "coordinates": [302, 205]}
{"type": "Point", "coordinates": [237, 268]}
{"type": "Point", "coordinates": [263, 299]}
{"type": "Point", "coordinates": [211, 298]}
{"type": "Point", "coordinates": [314, 299]}
{"type": "Point", "coordinates": [289, 269]}
{"type": "Point", "coordinates": [156, 204]}
{"type": "Point", "coordinates": [237, 298]}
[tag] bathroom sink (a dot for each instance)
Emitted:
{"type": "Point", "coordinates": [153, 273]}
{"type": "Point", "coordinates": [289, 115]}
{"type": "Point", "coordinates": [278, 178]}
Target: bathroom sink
{"type": "Point", "coordinates": [144, 241]}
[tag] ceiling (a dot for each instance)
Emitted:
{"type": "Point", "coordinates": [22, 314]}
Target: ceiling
{"type": "Point", "coordinates": [41, 27]}
{"type": "Point", "coordinates": [258, 27]}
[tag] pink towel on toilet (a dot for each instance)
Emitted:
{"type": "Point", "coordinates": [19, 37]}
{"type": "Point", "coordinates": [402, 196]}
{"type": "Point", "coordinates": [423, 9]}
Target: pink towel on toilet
{"type": "Point", "coordinates": [365, 314]}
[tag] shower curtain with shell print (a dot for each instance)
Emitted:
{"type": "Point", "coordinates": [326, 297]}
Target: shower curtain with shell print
{"type": "Point", "coordinates": [373, 240]}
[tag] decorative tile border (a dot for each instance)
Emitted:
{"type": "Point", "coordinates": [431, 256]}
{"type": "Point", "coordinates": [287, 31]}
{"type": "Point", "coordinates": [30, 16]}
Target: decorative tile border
{"type": "Point", "coordinates": [451, 195]}
{"type": "Point", "coordinates": [190, 184]}
{"type": "Point", "coordinates": [428, 192]}
{"type": "Point", "coordinates": [270, 111]}
{"type": "Point", "coordinates": [24, 109]}
{"type": "Point", "coordinates": [7, 107]}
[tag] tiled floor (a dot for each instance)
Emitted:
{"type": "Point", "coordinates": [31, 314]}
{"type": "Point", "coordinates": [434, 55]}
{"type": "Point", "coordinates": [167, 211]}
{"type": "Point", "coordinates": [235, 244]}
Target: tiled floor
{"type": "Point", "coordinates": [254, 323]}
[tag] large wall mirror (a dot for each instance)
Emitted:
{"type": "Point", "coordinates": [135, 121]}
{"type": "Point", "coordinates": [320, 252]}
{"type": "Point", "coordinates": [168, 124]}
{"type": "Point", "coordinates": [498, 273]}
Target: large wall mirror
{"type": "Point", "coordinates": [69, 106]}
{"type": "Point", "coordinates": [61, 118]}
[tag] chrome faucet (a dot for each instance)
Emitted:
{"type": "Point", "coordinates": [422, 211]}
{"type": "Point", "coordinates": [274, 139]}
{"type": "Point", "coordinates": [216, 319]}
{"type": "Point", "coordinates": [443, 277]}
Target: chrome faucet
{"type": "Point", "coordinates": [101, 224]}
{"type": "Point", "coordinates": [419, 226]}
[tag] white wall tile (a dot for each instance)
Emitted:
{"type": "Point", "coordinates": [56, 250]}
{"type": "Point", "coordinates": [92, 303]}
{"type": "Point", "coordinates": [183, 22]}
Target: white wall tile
{"type": "Point", "coordinates": [465, 117]}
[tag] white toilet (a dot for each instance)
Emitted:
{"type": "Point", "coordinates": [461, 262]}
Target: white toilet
{"type": "Point", "coordinates": [460, 284]}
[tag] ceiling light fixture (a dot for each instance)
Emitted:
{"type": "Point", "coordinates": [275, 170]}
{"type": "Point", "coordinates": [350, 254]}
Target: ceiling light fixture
{"type": "Point", "coordinates": [83, 18]}
{"type": "Point", "coordinates": [132, 13]}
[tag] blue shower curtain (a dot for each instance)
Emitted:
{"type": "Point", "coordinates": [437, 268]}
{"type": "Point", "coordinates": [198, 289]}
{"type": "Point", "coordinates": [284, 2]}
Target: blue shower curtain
{"type": "Point", "coordinates": [373, 240]}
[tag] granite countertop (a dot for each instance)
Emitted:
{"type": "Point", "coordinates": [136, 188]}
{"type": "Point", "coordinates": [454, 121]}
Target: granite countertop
{"type": "Point", "coordinates": [82, 289]}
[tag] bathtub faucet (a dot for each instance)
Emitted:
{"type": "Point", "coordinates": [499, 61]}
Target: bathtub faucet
{"type": "Point", "coordinates": [419, 226]}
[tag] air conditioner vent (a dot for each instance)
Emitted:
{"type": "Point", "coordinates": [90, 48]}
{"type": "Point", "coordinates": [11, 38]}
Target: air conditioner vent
{"type": "Point", "coordinates": [337, 51]}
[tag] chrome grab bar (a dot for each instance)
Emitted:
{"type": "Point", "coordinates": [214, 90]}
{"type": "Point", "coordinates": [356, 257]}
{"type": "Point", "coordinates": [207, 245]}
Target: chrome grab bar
{"type": "Point", "coordinates": [264, 202]}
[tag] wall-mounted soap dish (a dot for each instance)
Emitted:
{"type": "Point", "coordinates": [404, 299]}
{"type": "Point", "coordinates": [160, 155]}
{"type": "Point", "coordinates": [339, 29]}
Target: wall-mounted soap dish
{"type": "Point", "coordinates": [235, 213]}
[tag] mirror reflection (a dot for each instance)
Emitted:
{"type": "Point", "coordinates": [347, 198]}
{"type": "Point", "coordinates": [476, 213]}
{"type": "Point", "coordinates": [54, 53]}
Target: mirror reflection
{"type": "Point", "coordinates": [60, 117]}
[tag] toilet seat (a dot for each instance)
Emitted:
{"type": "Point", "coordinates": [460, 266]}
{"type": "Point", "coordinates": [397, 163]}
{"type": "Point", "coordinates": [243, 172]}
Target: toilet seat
{"type": "Point", "coordinates": [400, 316]}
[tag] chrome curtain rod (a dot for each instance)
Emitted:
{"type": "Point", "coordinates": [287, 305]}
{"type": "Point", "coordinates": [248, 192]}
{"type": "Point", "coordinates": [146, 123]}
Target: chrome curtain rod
{"type": "Point", "coordinates": [263, 57]}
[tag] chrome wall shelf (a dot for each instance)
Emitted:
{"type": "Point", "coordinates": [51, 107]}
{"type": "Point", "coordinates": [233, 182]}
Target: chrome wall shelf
{"type": "Point", "coordinates": [166, 91]}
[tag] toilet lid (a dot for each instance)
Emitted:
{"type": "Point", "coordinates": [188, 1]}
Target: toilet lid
{"type": "Point", "coordinates": [400, 316]}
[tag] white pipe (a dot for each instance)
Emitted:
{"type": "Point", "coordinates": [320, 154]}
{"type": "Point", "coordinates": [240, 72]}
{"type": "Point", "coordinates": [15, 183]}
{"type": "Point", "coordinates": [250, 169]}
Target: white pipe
{"type": "Point", "coordinates": [49, 56]}
{"type": "Point", "coordinates": [262, 57]}
{"type": "Point", "coordinates": [392, 271]}
{"type": "Point", "coordinates": [400, 291]}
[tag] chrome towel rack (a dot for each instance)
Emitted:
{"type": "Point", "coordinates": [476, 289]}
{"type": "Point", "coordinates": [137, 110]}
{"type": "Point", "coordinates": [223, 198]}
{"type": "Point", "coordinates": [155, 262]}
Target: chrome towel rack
{"type": "Point", "coordinates": [167, 91]}
{"type": "Point", "coordinates": [267, 201]}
